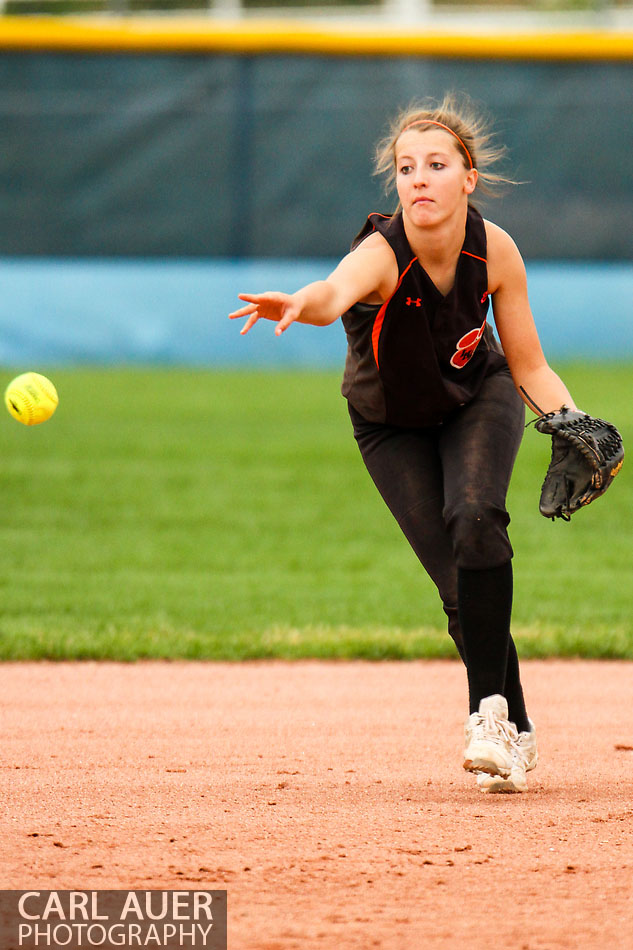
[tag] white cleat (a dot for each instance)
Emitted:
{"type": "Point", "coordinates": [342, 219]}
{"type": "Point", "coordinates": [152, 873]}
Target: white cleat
{"type": "Point", "coordinates": [490, 738]}
{"type": "Point", "coordinates": [524, 760]}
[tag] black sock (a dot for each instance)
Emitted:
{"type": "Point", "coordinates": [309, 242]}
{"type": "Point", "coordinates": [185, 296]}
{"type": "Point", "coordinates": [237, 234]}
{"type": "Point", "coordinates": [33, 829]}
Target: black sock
{"type": "Point", "coordinates": [513, 691]}
{"type": "Point", "coordinates": [484, 604]}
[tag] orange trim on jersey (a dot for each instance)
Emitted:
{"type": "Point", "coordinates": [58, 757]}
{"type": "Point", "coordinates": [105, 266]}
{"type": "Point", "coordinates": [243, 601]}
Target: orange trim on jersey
{"type": "Point", "coordinates": [369, 233]}
{"type": "Point", "coordinates": [476, 256]}
{"type": "Point", "coordinates": [380, 316]}
{"type": "Point", "coordinates": [379, 214]}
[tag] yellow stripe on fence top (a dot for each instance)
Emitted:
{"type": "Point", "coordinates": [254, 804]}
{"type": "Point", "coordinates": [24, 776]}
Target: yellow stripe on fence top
{"type": "Point", "coordinates": [132, 35]}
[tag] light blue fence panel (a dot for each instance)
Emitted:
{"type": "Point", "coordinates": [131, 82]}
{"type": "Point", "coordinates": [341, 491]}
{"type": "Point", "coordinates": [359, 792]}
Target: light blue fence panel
{"type": "Point", "coordinates": [70, 312]}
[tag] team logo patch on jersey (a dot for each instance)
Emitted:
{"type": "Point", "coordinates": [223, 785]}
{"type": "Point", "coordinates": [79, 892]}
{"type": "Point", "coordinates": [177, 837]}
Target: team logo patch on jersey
{"type": "Point", "coordinates": [466, 347]}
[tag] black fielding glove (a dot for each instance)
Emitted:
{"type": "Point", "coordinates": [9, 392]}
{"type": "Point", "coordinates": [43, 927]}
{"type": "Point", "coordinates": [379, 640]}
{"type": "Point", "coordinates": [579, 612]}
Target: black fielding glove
{"type": "Point", "coordinates": [587, 454]}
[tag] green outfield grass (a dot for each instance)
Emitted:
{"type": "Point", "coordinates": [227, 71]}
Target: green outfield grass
{"type": "Point", "coordinates": [189, 513]}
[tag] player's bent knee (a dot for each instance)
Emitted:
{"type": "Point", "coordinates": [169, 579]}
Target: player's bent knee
{"type": "Point", "coordinates": [479, 534]}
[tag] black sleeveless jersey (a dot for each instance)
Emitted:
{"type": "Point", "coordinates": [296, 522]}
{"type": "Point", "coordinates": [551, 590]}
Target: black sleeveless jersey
{"type": "Point", "coordinates": [420, 355]}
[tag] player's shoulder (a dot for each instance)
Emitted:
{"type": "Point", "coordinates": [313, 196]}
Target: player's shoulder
{"type": "Point", "coordinates": [375, 248]}
{"type": "Point", "coordinates": [499, 241]}
{"type": "Point", "coordinates": [374, 255]}
{"type": "Point", "coordinates": [374, 240]}
{"type": "Point", "coordinates": [502, 249]}
{"type": "Point", "coordinates": [505, 263]}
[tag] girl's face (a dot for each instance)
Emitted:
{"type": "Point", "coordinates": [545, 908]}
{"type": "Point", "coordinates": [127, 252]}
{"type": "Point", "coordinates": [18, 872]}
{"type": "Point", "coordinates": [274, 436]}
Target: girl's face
{"type": "Point", "coordinates": [432, 180]}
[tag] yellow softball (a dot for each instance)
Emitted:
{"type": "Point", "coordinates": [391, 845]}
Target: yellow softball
{"type": "Point", "coordinates": [31, 398]}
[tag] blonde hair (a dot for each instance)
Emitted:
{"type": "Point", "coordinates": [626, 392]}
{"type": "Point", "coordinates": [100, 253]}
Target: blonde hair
{"type": "Point", "coordinates": [473, 140]}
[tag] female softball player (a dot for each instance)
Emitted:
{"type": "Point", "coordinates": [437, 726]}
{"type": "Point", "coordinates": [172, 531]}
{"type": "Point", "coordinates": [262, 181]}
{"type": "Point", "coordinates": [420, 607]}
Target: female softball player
{"type": "Point", "coordinates": [436, 403]}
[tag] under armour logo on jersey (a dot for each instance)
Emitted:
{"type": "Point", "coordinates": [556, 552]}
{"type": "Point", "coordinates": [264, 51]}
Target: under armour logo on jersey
{"type": "Point", "coordinates": [413, 301]}
{"type": "Point", "coordinates": [466, 347]}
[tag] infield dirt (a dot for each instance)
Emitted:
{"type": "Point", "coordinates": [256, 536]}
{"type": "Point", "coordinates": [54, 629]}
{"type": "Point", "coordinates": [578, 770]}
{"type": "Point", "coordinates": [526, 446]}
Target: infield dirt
{"type": "Point", "coordinates": [327, 798]}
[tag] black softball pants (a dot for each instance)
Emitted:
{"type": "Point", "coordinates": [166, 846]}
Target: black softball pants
{"type": "Point", "coordinates": [446, 486]}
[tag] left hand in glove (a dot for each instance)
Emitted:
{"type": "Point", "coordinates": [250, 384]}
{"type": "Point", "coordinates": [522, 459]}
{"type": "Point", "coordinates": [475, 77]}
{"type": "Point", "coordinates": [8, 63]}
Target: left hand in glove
{"type": "Point", "coordinates": [587, 454]}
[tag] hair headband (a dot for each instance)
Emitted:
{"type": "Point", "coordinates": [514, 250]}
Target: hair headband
{"type": "Point", "coordinates": [442, 126]}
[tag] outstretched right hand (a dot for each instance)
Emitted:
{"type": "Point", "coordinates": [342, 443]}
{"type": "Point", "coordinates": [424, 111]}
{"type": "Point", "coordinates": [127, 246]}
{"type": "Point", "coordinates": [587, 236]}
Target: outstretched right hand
{"type": "Point", "coordinates": [282, 308]}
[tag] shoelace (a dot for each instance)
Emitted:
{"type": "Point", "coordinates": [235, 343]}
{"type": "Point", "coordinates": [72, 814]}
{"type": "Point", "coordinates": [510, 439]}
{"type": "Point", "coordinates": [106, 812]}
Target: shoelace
{"type": "Point", "coordinates": [498, 730]}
